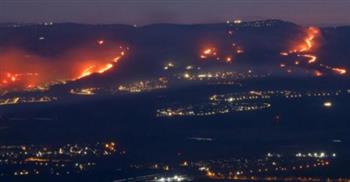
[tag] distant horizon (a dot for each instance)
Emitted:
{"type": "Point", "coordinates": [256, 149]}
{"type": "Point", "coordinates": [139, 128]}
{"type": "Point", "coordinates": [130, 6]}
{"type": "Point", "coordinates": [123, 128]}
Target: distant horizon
{"type": "Point", "coordinates": [177, 23]}
{"type": "Point", "coordinates": [146, 12]}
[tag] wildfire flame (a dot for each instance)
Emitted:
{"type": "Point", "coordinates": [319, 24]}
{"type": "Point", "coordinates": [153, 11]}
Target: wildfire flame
{"type": "Point", "coordinates": [306, 46]}
{"type": "Point", "coordinates": [208, 51]}
{"type": "Point", "coordinates": [23, 70]}
{"type": "Point", "coordinates": [340, 71]}
{"type": "Point", "coordinates": [211, 53]}
{"type": "Point", "coordinates": [318, 73]}
{"type": "Point", "coordinates": [303, 50]}
{"type": "Point", "coordinates": [309, 43]}
{"type": "Point", "coordinates": [311, 58]}
{"type": "Point", "coordinates": [91, 69]}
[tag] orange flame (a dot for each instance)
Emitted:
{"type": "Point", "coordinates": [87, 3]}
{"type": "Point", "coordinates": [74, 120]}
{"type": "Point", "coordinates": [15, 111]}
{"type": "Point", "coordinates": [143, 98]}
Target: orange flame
{"type": "Point", "coordinates": [229, 59]}
{"type": "Point", "coordinates": [87, 72]}
{"type": "Point", "coordinates": [105, 68]}
{"type": "Point", "coordinates": [318, 73]}
{"type": "Point", "coordinates": [21, 69]}
{"type": "Point", "coordinates": [99, 69]}
{"type": "Point", "coordinates": [312, 58]}
{"type": "Point", "coordinates": [207, 51]}
{"type": "Point", "coordinates": [340, 71]}
{"type": "Point", "coordinates": [312, 32]}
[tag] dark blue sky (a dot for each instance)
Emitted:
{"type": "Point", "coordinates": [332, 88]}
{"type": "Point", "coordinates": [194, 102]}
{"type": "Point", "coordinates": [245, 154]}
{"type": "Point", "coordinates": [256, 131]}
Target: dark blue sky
{"type": "Point", "coordinates": [306, 12]}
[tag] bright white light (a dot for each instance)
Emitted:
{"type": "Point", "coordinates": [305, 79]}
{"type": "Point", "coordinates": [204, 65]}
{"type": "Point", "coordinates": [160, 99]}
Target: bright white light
{"type": "Point", "coordinates": [327, 104]}
{"type": "Point", "coordinates": [322, 154]}
{"type": "Point", "coordinates": [186, 75]}
{"type": "Point", "coordinates": [171, 179]}
{"type": "Point", "coordinates": [237, 21]}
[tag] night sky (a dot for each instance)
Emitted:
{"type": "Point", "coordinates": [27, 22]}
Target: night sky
{"type": "Point", "coordinates": [306, 12]}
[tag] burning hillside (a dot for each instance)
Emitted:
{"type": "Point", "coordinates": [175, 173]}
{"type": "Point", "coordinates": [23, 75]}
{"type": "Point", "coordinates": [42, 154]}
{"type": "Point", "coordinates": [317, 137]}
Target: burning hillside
{"type": "Point", "coordinates": [20, 69]}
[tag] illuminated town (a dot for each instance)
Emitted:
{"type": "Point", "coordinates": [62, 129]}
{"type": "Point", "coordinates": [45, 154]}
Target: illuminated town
{"type": "Point", "coordinates": [245, 101]}
{"type": "Point", "coordinates": [32, 160]}
{"type": "Point", "coordinates": [23, 100]}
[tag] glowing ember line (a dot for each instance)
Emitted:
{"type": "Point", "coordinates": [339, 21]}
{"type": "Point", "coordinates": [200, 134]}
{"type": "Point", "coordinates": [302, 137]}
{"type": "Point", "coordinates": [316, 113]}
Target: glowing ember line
{"type": "Point", "coordinates": [101, 69]}
{"type": "Point", "coordinates": [107, 67]}
{"type": "Point", "coordinates": [77, 64]}
{"type": "Point", "coordinates": [116, 59]}
{"type": "Point", "coordinates": [340, 71]}
{"type": "Point", "coordinates": [307, 45]}
{"type": "Point", "coordinates": [88, 71]}
{"type": "Point", "coordinates": [311, 58]}
{"type": "Point", "coordinates": [207, 51]}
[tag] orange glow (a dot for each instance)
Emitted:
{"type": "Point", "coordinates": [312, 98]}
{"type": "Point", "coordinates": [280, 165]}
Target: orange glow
{"type": "Point", "coordinates": [116, 59]}
{"type": "Point", "coordinates": [307, 45]}
{"type": "Point", "coordinates": [311, 58]}
{"type": "Point", "coordinates": [304, 50]}
{"type": "Point", "coordinates": [104, 69]}
{"type": "Point", "coordinates": [10, 79]}
{"type": "Point", "coordinates": [91, 69]}
{"type": "Point", "coordinates": [340, 71]}
{"type": "Point", "coordinates": [211, 53]}
{"type": "Point", "coordinates": [94, 69]}
{"type": "Point", "coordinates": [311, 32]}
{"type": "Point", "coordinates": [36, 159]}
{"type": "Point", "coordinates": [207, 51]}
{"type": "Point", "coordinates": [210, 174]}
{"type": "Point", "coordinates": [229, 59]}
{"type": "Point", "coordinates": [87, 72]}
{"type": "Point", "coordinates": [318, 73]}
{"type": "Point", "coordinates": [21, 69]}
{"type": "Point", "coordinates": [110, 146]}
